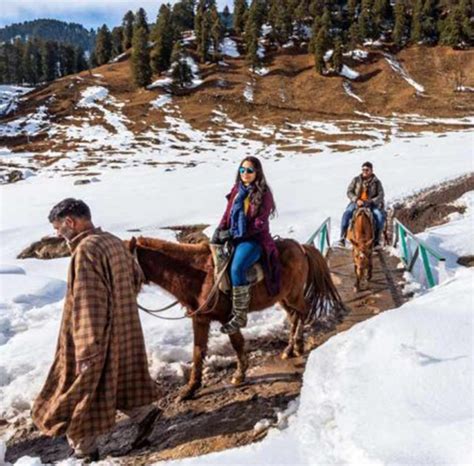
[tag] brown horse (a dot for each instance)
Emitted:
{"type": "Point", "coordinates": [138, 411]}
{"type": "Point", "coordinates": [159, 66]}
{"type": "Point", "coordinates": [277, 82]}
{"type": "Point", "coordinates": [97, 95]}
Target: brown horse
{"type": "Point", "coordinates": [186, 271]}
{"type": "Point", "coordinates": [361, 235]}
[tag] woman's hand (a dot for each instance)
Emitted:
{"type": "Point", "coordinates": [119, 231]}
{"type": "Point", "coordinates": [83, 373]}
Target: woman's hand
{"type": "Point", "coordinates": [221, 236]}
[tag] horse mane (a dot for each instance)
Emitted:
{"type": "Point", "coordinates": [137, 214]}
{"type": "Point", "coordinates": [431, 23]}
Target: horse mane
{"type": "Point", "coordinates": [171, 247]}
{"type": "Point", "coordinates": [196, 255]}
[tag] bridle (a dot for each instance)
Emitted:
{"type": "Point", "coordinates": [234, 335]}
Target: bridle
{"type": "Point", "coordinates": [212, 296]}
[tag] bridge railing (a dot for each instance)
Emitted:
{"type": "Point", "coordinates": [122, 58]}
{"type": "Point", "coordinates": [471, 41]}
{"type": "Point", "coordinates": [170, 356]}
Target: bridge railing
{"type": "Point", "coordinates": [413, 249]}
{"type": "Point", "coordinates": [320, 238]}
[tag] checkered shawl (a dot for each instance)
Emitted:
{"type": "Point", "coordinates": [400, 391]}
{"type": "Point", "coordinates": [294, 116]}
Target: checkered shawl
{"type": "Point", "coordinates": [100, 329]}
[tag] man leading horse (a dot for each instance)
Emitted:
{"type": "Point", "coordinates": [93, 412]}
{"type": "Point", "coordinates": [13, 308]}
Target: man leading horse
{"type": "Point", "coordinates": [365, 190]}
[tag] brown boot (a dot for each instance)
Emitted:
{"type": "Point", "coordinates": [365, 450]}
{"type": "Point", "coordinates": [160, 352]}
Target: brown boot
{"type": "Point", "coordinates": [240, 308]}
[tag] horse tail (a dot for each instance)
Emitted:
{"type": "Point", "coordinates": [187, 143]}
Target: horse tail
{"type": "Point", "coordinates": [326, 307]}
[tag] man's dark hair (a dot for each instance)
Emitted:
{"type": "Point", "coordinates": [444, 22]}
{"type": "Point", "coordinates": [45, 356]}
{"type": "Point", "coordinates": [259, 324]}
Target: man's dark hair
{"type": "Point", "coordinates": [69, 208]}
{"type": "Point", "coordinates": [368, 165]}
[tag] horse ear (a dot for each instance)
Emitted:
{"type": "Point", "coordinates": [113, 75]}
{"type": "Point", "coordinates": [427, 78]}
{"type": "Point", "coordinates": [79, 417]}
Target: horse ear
{"type": "Point", "coordinates": [369, 243]}
{"type": "Point", "coordinates": [132, 245]}
{"type": "Point", "coordinates": [353, 242]}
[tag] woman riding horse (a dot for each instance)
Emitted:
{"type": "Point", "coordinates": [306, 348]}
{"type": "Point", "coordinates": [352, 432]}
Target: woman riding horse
{"type": "Point", "coordinates": [246, 224]}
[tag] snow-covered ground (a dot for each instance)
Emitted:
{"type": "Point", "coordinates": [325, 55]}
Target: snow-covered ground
{"type": "Point", "coordinates": [386, 391]}
{"type": "Point", "coordinates": [9, 96]}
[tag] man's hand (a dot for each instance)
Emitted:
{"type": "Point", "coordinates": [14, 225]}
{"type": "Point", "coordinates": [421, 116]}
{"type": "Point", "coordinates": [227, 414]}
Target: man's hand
{"type": "Point", "coordinates": [81, 367]}
{"type": "Point", "coordinates": [360, 203]}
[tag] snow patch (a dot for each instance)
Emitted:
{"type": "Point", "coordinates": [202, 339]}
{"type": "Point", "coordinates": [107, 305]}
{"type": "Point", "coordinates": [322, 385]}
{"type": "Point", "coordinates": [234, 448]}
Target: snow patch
{"type": "Point", "coordinates": [399, 69]}
{"type": "Point", "coordinates": [349, 73]}
{"type": "Point", "coordinates": [10, 96]}
{"type": "Point", "coordinates": [161, 101]}
{"type": "Point", "coordinates": [248, 92]}
{"type": "Point", "coordinates": [349, 91]}
{"type": "Point", "coordinates": [229, 48]}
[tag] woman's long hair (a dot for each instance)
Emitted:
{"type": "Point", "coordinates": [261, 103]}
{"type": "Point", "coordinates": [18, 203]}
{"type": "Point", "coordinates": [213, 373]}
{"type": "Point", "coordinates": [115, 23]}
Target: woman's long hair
{"type": "Point", "coordinates": [260, 184]}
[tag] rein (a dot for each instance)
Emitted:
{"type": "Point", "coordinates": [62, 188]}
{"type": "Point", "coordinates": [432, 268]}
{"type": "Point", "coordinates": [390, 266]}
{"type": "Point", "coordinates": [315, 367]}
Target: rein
{"type": "Point", "coordinates": [213, 294]}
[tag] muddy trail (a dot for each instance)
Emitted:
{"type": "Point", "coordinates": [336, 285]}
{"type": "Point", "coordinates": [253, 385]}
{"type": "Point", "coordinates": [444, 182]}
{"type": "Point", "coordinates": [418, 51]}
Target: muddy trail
{"type": "Point", "coordinates": [224, 416]}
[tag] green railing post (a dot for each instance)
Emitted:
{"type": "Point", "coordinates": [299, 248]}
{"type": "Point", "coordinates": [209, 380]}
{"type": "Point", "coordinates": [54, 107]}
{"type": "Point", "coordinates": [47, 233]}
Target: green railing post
{"type": "Point", "coordinates": [427, 267]}
{"type": "Point", "coordinates": [321, 236]}
{"type": "Point", "coordinates": [323, 239]}
{"type": "Point", "coordinates": [422, 249]}
{"type": "Point", "coordinates": [403, 240]}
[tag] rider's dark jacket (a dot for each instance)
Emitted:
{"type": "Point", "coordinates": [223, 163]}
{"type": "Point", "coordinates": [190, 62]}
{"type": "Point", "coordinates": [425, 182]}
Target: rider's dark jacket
{"type": "Point", "coordinates": [374, 190]}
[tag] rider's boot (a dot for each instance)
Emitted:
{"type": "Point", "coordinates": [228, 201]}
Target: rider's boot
{"type": "Point", "coordinates": [377, 236]}
{"type": "Point", "coordinates": [342, 240]}
{"type": "Point", "coordinates": [240, 308]}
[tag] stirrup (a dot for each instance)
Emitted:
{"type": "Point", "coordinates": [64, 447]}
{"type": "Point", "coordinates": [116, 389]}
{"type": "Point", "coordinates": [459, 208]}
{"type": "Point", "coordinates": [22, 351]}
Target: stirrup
{"type": "Point", "coordinates": [234, 325]}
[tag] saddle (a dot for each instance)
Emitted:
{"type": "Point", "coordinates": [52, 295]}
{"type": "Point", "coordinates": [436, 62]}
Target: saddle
{"type": "Point", "coordinates": [222, 257]}
{"type": "Point", "coordinates": [369, 214]}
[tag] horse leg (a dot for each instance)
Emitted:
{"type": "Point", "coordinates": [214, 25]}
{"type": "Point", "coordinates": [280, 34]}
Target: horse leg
{"type": "Point", "coordinates": [201, 337]}
{"type": "Point", "coordinates": [369, 276]}
{"type": "Point", "coordinates": [293, 318]}
{"type": "Point", "coordinates": [357, 280]}
{"type": "Point", "coordinates": [238, 343]}
{"type": "Point", "coordinates": [298, 338]}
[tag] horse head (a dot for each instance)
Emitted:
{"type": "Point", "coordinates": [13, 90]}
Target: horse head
{"type": "Point", "coordinates": [362, 256]}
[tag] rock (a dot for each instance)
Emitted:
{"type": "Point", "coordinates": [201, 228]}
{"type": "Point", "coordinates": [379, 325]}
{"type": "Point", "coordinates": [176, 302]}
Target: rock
{"type": "Point", "coordinates": [49, 247]}
{"type": "Point", "coordinates": [14, 176]}
{"type": "Point", "coordinates": [466, 261]}
{"type": "Point", "coordinates": [79, 182]}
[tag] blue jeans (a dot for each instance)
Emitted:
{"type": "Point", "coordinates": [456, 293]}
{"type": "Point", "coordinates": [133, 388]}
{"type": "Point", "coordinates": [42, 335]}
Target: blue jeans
{"type": "Point", "coordinates": [379, 218]}
{"type": "Point", "coordinates": [246, 254]}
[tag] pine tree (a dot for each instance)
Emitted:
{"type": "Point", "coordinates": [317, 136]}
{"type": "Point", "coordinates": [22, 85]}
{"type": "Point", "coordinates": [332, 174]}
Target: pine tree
{"type": "Point", "coordinates": [117, 41]}
{"type": "Point", "coordinates": [416, 22]}
{"type": "Point", "coordinates": [181, 73]}
{"type": "Point", "coordinates": [183, 15]}
{"type": "Point", "coordinates": [216, 32]}
{"type": "Point", "coordinates": [202, 28]}
{"type": "Point", "coordinates": [382, 15]}
{"type": "Point", "coordinates": [29, 72]}
{"type": "Point", "coordinates": [36, 59]}
{"type": "Point", "coordinates": [429, 17]}
{"type": "Point", "coordinates": [66, 59]}
{"type": "Point", "coordinates": [80, 62]}
{"type": "Point", "coordinates": [279, 17]}
{"type": "Point", "coordinates": [127, 23]}
{"type": "Point", "coordinates": [452, 33]}
{"type": "Point", "coordinates": [49, 59]}
{"type": "Point", "coordinates": [240, 12]}
{"type": "Point", "coordinates": [400, 29]}
{"type": "Point", "coordinates": [366, 20]}
{"type": "Point", "coordinates": [317, 23]}
{"type": "Point", "coordinates": [226, 17]}
{"type": "Point", "coordinates": [337, 56]}
{"type": "Point", "coordinates": [252, 34]}
{"type": "Point", "coordinates": [354, 35]}
{"type": "Point", "coordinates": [320, 48]}
{"type": "Point", "coordinates": [141, 21]}
{"type": "Point", "coordinates": [140, 59]}
{"type": "Point", "coordinates": [103, 46]}
{"type": "Point", "coordinates": [353, 8]}
{"type": "Point", "coordinates": [164, 36]}
{"type": "Point", "coordinates": [300, 15]}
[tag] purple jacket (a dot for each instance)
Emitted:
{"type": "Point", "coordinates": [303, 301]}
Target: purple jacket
{"type": "Point", "coordinates": [258, 229]}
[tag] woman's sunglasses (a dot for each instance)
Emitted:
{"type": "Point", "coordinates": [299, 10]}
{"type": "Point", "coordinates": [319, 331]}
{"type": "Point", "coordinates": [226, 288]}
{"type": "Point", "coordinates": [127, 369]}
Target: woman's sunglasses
{"type": "Point", "coordinates": [248, 170]}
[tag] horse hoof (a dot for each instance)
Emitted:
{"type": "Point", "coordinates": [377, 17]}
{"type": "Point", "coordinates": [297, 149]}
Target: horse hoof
{"type": "Point", "coordinates": [186, 394]}
{"type": "Point", "coordinates": [237, 379]}
{"type": "Point", "coordinates": [298, 352]}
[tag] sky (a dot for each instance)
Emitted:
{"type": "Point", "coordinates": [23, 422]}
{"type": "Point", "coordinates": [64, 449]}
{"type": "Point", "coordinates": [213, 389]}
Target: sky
{"type": "Point", "coordinates": [90, 13]}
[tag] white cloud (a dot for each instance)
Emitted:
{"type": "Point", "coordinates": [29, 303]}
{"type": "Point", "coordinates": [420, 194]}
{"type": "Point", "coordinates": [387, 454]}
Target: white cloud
{"type": "Point", "coordinates": [17, 10]}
